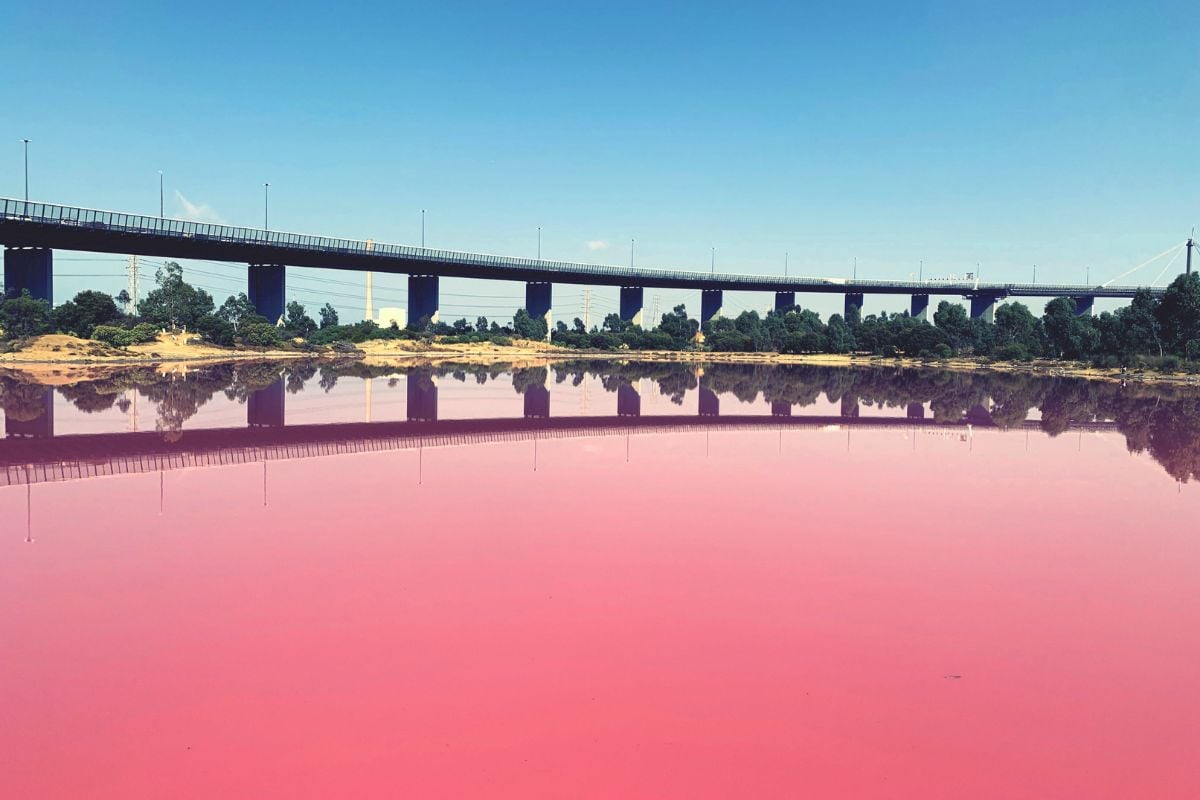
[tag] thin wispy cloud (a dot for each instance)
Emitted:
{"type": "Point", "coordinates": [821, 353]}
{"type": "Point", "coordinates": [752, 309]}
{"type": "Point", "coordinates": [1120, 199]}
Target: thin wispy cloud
{"type": "Point", "coordinates": [596, 244]}
{"type": "Point", "coordinates": [198, 212]}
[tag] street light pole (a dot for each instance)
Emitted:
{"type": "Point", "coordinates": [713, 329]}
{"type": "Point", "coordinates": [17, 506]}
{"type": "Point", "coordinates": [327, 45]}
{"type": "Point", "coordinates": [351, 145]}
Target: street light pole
{"type": "Point", "coordinates": [26, 141]}
{"type": "Point", "coordinates": [712, 262]}
{"type": "Point", "coordinates": [266, 205]}
{"type": "Point", "coordinates": [539, 242]}
{"type": "Point", "coordinates": [160, 195]}
{"type": "Point", "coordinates": [631, 241]}
{"type": "Point", "coordinates": [785, 255]}
{"type": "Point", "coordinates": [422, 229]}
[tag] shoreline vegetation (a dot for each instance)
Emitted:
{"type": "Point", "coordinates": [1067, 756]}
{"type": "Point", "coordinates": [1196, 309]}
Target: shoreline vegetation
{"type": "Point", "coordinates": [1154, 339]}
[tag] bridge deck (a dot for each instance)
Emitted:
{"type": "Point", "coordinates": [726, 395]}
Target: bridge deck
{"type": "Point", "coordinates": [34, 224]}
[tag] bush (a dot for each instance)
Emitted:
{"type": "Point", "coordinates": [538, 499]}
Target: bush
{"type": "Point", "coordinates": [259, 334]}
{"type": "Point", "coordinates": [1012, 352]}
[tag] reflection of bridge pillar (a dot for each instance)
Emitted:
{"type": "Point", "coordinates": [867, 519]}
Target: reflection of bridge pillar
{"type": "Point", "coordinates": [1083, 305]}
{"type": "Point", "coordinates": [629, 401]}
{"type": "Point", "coordinates": [916, 411]}
{"type": "Point", "coordinates": [422, 397]}
{"type": "Point", "coordinates": [781, 408]}
{"type": "Point", "coordinates": [983, 306]}
{"type": "Point", "coordinates": [710, 404]}
{"type": "Point", "coordinates": [29, 268]}
{"type": "Point", "coordinates": [264, 408]}
{"type": "Point", "coordinates": [422, 299]}
{"type": "Point", "coordinates": [267, 288]}
{"type": "Point", "coordinates": [711, 301]}
{"type": "Point", "coordinates": [784, 301]}
{"type": "Point", "coordinates": [38, 427]}
{"type": "Point", "coordinates": [537, 402]}
{"type": "Point", "coordinates": [919, 309]}
{"type": "Point", "coordinates": [632, 305]}
{"type": "Point", "coordinates": [538, 302]}
{"type": "Point", "coordinates": [849, 406]}
{"type": "Point", "coordinates": [854, 300]}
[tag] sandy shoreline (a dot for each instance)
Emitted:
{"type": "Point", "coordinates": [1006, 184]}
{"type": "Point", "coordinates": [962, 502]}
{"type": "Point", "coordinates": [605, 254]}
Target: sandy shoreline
{"type": "Point", "coordinates": [64, 359]}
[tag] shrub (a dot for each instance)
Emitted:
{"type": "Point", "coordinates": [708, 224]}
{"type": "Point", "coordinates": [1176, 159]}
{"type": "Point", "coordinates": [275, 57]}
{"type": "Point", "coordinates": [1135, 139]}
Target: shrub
{"type": "Point", "coordinates": [1011, 352]}
{"type": "Point", "coordinates": [259, 334]}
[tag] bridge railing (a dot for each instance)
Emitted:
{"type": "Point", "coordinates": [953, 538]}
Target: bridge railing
{"type": "Point", "coordinates": [70, 216]}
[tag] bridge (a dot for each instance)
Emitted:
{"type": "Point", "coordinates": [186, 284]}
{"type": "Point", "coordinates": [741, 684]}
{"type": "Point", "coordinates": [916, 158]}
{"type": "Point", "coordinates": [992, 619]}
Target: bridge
{"type": "Point", "coordinates": [31, 231]}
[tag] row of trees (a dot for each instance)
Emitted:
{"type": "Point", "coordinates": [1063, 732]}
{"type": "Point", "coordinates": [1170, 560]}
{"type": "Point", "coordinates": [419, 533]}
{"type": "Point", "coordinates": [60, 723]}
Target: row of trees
{"type": "Point", "coordinates": [1166, 327]}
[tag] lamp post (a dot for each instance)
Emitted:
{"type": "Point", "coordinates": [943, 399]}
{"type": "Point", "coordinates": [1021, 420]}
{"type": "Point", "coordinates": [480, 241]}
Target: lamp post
{"type": "Point", "coordinates": [266, 205]}
{"type": "Point", "coordinates": [26, 141]}
{"type": "Point", "coordinates": [539, 242]}
{"type": "Point", "coordinates": [712, 261]}
{"type": "Point", "coordinates": [160, 195]}
{"type": "Point", "coordinates": [422, 229]}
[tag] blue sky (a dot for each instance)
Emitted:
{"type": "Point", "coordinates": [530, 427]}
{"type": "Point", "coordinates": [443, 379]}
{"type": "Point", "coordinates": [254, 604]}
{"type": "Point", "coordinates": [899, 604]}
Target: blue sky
{"type": "Point", "coordinates": [1005, 135]}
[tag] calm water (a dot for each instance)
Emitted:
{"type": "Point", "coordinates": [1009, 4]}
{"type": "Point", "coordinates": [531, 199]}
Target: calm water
{"type": "Point", "coordinates": [598, 580]}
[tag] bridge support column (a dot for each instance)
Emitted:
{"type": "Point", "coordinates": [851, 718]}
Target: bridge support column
{"type": "Point", "coordinates": [29, 268]}
{"type": "Point", "coordinates": [422, 300]}
{"type": "Point", "coordinates": [265, 407]}
{"type": "Point", "coordinates": [781, 408]}
{"type": "Point", "coordinates": [1083, 305]}
{"type": "Point", "coordinates": [710, 403]}
{"type": "Point", "coordinates": [34, 418]}
{"type": "Point", "coordinates": [784, 301]}
{"type": "Point", "coordinates": [632, 305]}
{"type": "Point", "coordinates": [711, 301]}
{"type": "Point", "coordinates": [537, 402]}
{"type": "Point", "coordinates": [629, 401]}
{"type": "Point", "coordinates": [267, 289]}
{"type": "Point", "coordinates": [853, 305]}
{"type": "Point", "coordinates": [422, 397]}
{"type": "Point", "coordinates": [919, 309]}
{"type": "Point", "coordinates": [983, 306]}
{"type": "Point", "coordinates": [538, 303]}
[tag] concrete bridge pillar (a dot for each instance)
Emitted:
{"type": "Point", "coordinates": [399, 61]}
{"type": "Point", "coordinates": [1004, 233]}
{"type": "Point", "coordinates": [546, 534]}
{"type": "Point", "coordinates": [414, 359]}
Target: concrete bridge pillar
{"type": "Point", "coordinates": [1083, 305]}
{"type": "Point", "coordinates": [32, 416]}
{"type": "Point", "coordinates": [854, 300]}
{"type": "Point", "coordinates": [267, 289]}
{"type": "Point", "coordinates": [422, 397]}
{"type": "Point", "coordinates": [537, 402]}
{"type": "Point", "coordinates": [784, 301]}
{"type": "Point", "coordinates": [629, 401]}
{"type": "Point", "coordinates": [711, 301]}
{"type": "Point", "coordinates": [29, 268]}
{"type": "Point", "coordinates": [710, 403]}
{"type": "Point", "coordinates": [423, 299]}
{"type": "Point", "coordinates": [632, 305]}
{"type": "Point", "coordinates": [538, 303]}
{"type": "Point", "coordinates": [265, 407]}
{"type": "Point", "coordinates": [781, 408]}
{"type": "Point", "coordinates": [983, 306]}
{"type": "Point", "coordinates": [919, 309]}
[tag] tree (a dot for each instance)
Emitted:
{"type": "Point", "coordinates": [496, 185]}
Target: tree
{"type": "Point", "coordinates": [261, 334]}
{"type": "Point", "coordinates": [577, 326]}
{"type": "Point", "coordinates": [125, 300]}
{"type": "Point", "coordinates": [175, 303]}
{"type": "Point", "coordinates": [1178, 312]}
{"type": "Point", "coordinates": [297, 322]}
{"type": "Point", "coordinates": [952, 319]}
{"type": "Point", "coordinates": [1016, 324]}
{"type": "Point", "coordinates": [677, 325]}
{"type": "Point", "coordinates": [481, 325]}
{"type": "Point", "coordinates": [528, 327]}
{"type": "Point", "coordinates": [329, 316]}
{"type": "Point", "coordinates": [81, 315]}
{"type": "Point", "coordinates": [237, 310]}
{"type": "Point", "coordinates": [24, 316]}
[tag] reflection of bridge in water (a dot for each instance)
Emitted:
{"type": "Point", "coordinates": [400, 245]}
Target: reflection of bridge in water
{"type": "Point", "coordinates": [35, 455]}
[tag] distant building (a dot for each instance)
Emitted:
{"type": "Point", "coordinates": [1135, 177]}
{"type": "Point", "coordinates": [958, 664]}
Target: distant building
{"type": "Point", "coordinates": [387, 316]}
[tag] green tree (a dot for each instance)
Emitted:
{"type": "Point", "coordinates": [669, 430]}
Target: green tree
{"type": "Point", "coordinates": [24, 316]}
{"type": "Point", "coordinates": [1016, 324]}
{"type": "Point", "coordinates": [528, 327]}
{"type": "Point", "coordinates": [81, 315]}
{"type": "Point", "coordinates": [1178, 313]}
{"type": "Point", "coordinates": [328, 315]}
{"type": "Point", "coordinates": [677, 325]}
{"type": "Point", "coordinates": [297, 322]}
{"type": "Point", "coordinates": [238, 310]}
{"type": "Point", "coordinates": [175, 303]}
{"type": "Point", "coordinates": [261, 334]}
{"type": "Point", "coordinates": [952, 319]}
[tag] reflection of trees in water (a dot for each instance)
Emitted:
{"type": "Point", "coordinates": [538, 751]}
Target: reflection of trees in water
{"type": "Point", "coordinates": [1163, 421]}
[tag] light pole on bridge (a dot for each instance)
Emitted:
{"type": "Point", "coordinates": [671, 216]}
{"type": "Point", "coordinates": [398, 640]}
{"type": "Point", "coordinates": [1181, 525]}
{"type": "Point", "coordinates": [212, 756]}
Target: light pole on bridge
{"type": "Point", "coordinates": [160, 195]}
{"type": "Point", "coordinates": [422, 229]}
{"type": "Point", "coordinates": [26, 141]}
{"type": "Point", "coordinates": [266, 205]}
{"type": "Point", "coordinates": [539, 242]}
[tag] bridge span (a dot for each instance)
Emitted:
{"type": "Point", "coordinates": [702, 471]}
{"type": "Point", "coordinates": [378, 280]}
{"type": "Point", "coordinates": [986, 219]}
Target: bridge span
{"type": "Point", "coordinates": [31, 231]}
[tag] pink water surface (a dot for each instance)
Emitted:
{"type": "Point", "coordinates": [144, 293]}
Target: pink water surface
{"type": "Point", "coordinates": [733, 614]}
